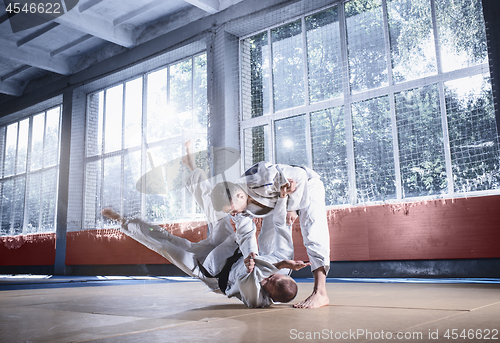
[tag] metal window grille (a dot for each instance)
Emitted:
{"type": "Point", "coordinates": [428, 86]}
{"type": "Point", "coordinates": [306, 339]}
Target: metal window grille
{"type": "Point", "coordinates": [138, 127]}
{"type": "Point", "coordinates": [29, 150]}
{"type": "Point", "coordinates": [386, 99]}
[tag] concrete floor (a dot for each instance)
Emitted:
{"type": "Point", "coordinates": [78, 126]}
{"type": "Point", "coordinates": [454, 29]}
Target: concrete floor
{"type": "Point", "coordinates": [180, 310]}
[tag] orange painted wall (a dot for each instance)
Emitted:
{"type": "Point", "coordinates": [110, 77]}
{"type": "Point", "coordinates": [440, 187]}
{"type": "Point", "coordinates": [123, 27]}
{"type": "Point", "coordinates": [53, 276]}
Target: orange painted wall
{"type": "Point", "coordinates": [28, 250]}
{"type": "Point", "coordinates": [109, 246]}
{"type": "Point", "coordinates": [435, 229]}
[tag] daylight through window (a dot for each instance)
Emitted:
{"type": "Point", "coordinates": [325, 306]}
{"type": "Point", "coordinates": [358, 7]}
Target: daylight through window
{"type": "Point", "coordinates": [386, 100]}
{"type": "Point", "coordinates": [29, 178]}
{"type": "Point", "coordinates": [138, 128]}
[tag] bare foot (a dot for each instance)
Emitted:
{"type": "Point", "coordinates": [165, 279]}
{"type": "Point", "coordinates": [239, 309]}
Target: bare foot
{"type": "Point", "coordinates": [319, 296]}
{"type": "Point", "coordinates": [111, 214]}
{"type": "Point", "coordinates": [315, 300]}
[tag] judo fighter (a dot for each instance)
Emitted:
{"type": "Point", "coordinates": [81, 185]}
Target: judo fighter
{"type": "Point", "coordinates": [257, 280]}
{"type": "Point", "coordinates": [257, 193]}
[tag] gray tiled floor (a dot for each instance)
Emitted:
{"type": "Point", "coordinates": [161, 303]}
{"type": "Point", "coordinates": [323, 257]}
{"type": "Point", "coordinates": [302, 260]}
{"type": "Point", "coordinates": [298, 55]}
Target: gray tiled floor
{"type": "Point", "coordinates": [169, 310]}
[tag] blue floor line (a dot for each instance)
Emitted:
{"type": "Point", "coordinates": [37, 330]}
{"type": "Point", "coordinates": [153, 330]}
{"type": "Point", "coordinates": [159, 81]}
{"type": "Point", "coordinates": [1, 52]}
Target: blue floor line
{"type": "Point", "coordinates": [8, 283]}
{"type": "Point", "coordinates": [20, 282]}
{"type": "Point", "coordinates": [407, 280]}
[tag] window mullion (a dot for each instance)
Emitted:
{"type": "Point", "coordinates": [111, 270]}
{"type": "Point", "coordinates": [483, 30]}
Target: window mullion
{"type": "Point", "coordinates": [192, 96]}
{"type": "Point", "coordinates": [122, 158]}
{"type": "Point", "coordinates": [17, 148]}
{"type": "Point", "coordinates": [271, 77]}
{"type": "Point", "coordinates": [446, 138]}
{"type": "Point", "coordinates": [272, 153]}
{"type": "Point", "coordinates": [387, 43]}
{"type": "Point", "coordinates": [144, 142]}
{"type": "Point", "coordinates": [308, 140]}
{"type": "Point", "coordinates": [3, 135]}
{"type": "Point", "coordinates": [272, 143]}
{"type": "Point", "coordinates": [435, 32]}
{"type": "Point", "coordinates": [40, 212]}
{"type": "Point", "coordinates": [442, 101]}
{"type": "Point", "coordinates": [57, 165]}
{"type": "Point", "coordinates": [240, 85]}
{"type": "Point", "coordinates": [86, 161]}
{"type": "Point", "coordinates": [44, 138]}
{"type": "Point", "coordinates": [243, 154]}
{"type": "Point", "coordinates": [351, 172]}
{"type": "Point", "coordinates": [395, 142]}
{"type": "Point", "coordinates": [304, 61]}
{"type": "Point", "coordinates": [15, 180]}
{"type": "Point", "coordinates": [395, 145]}
{"type": "Point", "coordinates": [306, 92]}
{"type": "Point", "coordinates": [103, 143]}
{"type": "Point", "coordinates": [101, 195]}
{"type": "Point", "coordinates": [28, 170]}
{"type": "Point", "coordinates": [191, 138]}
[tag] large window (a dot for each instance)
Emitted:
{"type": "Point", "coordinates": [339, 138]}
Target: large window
{"type": "Point", "coordinates": [29, 151]}
{"type": "Point", "coordinates": [135, 135]}
{"type": "Point", "coordinates": [387, 100]}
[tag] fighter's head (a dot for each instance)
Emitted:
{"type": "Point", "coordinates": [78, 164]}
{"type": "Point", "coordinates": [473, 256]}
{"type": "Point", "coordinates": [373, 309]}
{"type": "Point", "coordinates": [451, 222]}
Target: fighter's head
{"type": "Point", "coordinates": [229, 198]}
{"type": "Point", "coordinates": [281, 288]}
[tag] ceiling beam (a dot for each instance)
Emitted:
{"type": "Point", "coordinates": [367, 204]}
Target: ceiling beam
{"type": "Point", "coordinates": [210, 6]}
{"type": "Point", "coordinates": [33, 57]}
{"type": "Point", "coordinates": [11, 87]}
{"type": "Point", "coordinates": [37, 33]}
{"type": "Point", "coordinates": [137, 12]}
{"type": "Point", "coordinates": [88, 4]}
{"type": "Point", "coordinates": [70, 45]}
{"type": "Point", "coordinates": [97, 27]}
{"type": "Point", "coordinates": [15, 72]}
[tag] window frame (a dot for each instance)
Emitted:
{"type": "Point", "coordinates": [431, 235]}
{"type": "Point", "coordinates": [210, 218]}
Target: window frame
{"type": "Point", "coordinates": [123, 151]}
{"type": "Point", "coordinates": [28, 171]}
{"type": "Point", "coordinates": [347, 99]}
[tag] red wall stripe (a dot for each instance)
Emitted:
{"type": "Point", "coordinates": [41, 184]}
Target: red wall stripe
{"type": "Point", "coordinates": [28, 250]}
{"type": "Point", "coordinates": [433, 229]}
{"type": "Point", "coordinates": [110, 246]}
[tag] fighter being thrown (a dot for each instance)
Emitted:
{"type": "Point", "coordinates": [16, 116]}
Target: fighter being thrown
{"type": "Point", "coordinates": [257, 193]}
{"type": "Point", "coordinates": [217, 260]}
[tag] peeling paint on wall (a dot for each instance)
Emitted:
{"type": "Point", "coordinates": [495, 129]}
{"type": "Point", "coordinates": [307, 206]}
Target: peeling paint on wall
{"type": "Point", "coordinates": [15, 242]}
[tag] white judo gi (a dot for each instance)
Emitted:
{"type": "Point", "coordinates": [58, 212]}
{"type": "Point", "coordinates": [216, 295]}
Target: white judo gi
{"type": "Point", "coordinates": [213, 252]}
{"type": "Point", "coordinates": [262, 182]}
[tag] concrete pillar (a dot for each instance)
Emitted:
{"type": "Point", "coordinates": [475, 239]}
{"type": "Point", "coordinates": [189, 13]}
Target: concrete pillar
{"type": "Point", "coordinates": [62, 207]}
{"type": "Point", "coordinates": [223, 97]}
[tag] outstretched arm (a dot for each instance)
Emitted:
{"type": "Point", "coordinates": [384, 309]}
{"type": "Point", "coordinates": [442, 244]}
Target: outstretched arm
{"type": "Point", "coordinates": [289, 264]}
